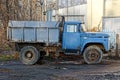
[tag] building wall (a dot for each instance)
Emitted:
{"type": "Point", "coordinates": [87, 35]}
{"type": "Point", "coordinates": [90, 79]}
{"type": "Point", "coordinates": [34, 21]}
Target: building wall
{"type": "Point", "coordinates": [90, 11]}
{"type": "Point", "coordinates": [73, 13]}
{"type": "Point", "coordinates": [73, 10]}
{"type": "Point", "coordinates": [94, 13]}
{"type": "Point", "coordinates": [112, 8]}
{"type": "Point", "coordinates": [93, 10]}
{"type": "Point", "coordinates": [97, 9]}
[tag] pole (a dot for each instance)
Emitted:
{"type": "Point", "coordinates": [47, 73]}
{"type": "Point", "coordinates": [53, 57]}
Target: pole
{"type": "Point", "coordinates": [117, 42]}
{"type": "Point", "coordinates": [67, 10]}
{"type": "Point", "coordinates": [104, 6]}
{"type": "Point", "coordinates": [41, 12]}
{"type": "Point", "coordinates": [91, 14]}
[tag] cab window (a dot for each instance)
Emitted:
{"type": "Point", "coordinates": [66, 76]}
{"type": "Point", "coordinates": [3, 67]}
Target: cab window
{"type": "Point", "coordinates": [71, 28]}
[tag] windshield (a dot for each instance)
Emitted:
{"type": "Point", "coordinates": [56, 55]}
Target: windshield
{"type": "Point", "coordinates": [83, 28]}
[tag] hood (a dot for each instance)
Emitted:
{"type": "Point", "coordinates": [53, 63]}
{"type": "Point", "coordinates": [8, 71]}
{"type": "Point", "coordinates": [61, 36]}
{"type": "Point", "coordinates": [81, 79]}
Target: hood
{"type": "Point", "coordinates": [96, 34]}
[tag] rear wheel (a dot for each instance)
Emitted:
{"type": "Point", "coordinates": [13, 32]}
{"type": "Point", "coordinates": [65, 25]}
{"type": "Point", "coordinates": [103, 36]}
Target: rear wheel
{"type": "Point", "coordinates": [29, 55]}
{"type": "Point", "coordinates": [93, 55]}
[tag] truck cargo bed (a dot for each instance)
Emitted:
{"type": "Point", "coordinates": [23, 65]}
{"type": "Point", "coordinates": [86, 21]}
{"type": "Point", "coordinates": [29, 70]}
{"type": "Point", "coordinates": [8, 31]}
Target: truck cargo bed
{"type": "Point", "coordinates": [33, 31]}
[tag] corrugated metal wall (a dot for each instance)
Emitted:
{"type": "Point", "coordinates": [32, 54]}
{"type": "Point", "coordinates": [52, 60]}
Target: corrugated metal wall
{"type": "Point", "coordinates": [112, 24]}
{"type": "Point", "coordinates": [74, 13]}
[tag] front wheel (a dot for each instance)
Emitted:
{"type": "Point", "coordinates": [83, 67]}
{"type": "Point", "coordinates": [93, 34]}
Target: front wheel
{"type": "Point", "coordinates": [29, 55]}
{"type": "Point", "coordinates": [93, 55]}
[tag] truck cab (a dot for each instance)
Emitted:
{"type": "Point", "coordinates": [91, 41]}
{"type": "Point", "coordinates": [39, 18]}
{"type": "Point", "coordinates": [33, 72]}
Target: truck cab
{"type": "Point", "coordinates": [71, 36]}
{"type": "Point", "coordinates": [91, 45]}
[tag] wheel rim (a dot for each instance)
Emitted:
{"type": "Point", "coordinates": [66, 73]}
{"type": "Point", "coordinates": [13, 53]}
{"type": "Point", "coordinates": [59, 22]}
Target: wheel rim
{"type": "Point", "coordinates": [29, 55]}
{"type": "Point", "coordinates": [93, 56]}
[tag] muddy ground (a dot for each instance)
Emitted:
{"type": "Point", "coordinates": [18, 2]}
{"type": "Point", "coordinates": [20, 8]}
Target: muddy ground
{"type": "Point", "coordinates": [65, 70]}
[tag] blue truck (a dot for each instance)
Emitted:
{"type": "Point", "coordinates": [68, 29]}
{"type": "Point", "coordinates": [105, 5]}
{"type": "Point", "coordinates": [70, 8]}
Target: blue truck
{"type": "Point", "coordinates": [35, 39]}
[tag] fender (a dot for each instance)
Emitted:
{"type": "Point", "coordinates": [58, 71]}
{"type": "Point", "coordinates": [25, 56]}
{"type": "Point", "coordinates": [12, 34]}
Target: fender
{"type": "Point", "coordinates": [102, 41]}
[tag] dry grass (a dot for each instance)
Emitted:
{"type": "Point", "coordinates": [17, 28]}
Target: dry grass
{"type": "Point", "coordinates": [6, 57]}
{"type": "Point", "coordinates": [12, 56]}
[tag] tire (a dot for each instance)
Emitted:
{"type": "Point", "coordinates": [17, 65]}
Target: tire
{"type": "Point", "coordinates": [93, 55]}
{"type": "Point", "coordinates": [29, 55]}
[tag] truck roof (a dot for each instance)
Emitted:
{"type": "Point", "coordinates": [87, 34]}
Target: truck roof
{"type": "Point", "coordinates": [73, 22]}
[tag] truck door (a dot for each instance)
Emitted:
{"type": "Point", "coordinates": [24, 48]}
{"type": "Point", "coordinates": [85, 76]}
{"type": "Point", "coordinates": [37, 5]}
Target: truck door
{"type": "Point", "coordinates": [71, 37]}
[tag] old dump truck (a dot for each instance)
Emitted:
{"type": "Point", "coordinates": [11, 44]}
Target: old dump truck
{"type": "Point", "coordinates": [34, 39]}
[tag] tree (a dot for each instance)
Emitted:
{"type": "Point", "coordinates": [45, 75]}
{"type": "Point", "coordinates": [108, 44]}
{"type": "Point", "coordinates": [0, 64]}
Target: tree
{"type": "Point", "coordinates": [16, 10]}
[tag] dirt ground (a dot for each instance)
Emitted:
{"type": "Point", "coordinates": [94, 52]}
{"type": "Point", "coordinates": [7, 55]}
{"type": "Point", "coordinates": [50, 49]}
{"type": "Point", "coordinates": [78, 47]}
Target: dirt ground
{"type": "Point", "coordinates": [64, 70]}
